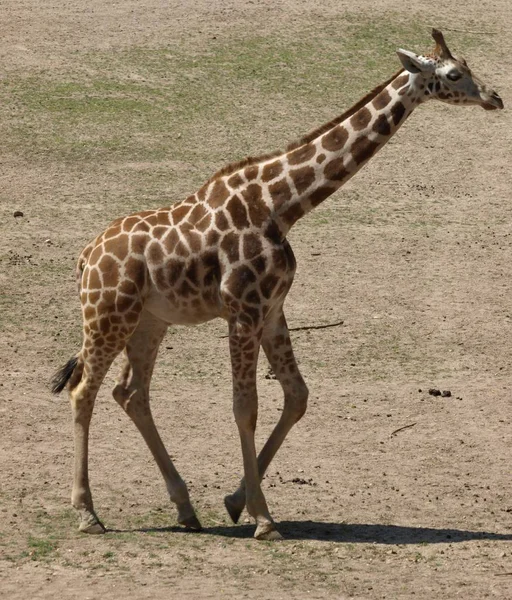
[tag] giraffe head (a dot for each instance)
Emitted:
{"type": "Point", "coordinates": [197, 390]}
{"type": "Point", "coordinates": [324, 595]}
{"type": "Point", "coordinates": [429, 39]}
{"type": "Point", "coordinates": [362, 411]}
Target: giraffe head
{"type": "Point", "coordinates": [448, 78]}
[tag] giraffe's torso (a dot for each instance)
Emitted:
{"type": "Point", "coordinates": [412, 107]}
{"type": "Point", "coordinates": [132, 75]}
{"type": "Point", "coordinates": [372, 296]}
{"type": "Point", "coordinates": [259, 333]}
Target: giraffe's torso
{"type": "Point", "coordinates": [190, 263]}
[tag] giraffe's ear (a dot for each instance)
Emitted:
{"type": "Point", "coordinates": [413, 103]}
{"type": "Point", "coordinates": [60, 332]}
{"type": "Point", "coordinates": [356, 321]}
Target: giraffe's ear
{"type": "Point", "coordinates": [414, 63]}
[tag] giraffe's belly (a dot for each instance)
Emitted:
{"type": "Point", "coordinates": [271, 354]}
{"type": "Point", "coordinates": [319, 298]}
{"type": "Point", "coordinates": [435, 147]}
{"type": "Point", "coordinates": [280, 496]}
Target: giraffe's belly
{"type": "Point", "coordinates": [191, 310]}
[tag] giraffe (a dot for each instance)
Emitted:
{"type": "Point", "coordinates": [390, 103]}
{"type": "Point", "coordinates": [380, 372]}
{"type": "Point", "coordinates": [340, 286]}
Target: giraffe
{"type": "Point", "coordinates": [222, 252]}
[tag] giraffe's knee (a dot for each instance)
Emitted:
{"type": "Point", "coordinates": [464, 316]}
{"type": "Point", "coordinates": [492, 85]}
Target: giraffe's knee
{"type": "Point", "coordinates": [245, 409]}
{"type": "Point", "coordinates": [121, 394]}
{"type": "Point", "coordinates": [134, 400]}
{"type": "Point", "coordinates": [296, 401]}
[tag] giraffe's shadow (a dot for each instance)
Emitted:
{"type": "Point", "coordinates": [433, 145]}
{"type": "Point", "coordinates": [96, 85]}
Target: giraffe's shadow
{"type": "Point", "coordinates": [346, 533]}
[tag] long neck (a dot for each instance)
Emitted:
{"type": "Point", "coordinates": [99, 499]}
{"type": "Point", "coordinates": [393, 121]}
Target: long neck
{"type": "Point", "coordinates": [326, 159]}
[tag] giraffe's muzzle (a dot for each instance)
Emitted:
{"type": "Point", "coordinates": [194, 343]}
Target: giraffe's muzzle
{"type": "Point", "coordinates": [494, 102]}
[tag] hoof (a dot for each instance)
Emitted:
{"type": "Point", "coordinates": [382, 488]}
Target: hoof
{"type": "Point", "coordinates": [267, 532]}
{"type": "Point", "coordinates": [89, 522]}
{"type": "Point", "coordinates": [233, 508]}
{"type": "Point", "coordinates": [92, 528]}
{"type": "Point", "coordinates": [191, 522]}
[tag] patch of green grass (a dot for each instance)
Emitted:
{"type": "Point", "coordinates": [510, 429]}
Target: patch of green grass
{"type": "Point", "coordinates": [149, 104]}
{"type": "Point", "coordinates": [41, 548]}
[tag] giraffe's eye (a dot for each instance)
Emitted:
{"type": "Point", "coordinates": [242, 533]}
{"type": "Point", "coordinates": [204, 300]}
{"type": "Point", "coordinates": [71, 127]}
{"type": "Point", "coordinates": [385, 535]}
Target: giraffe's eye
{"type": "Point", "coordinates": [453, 75]}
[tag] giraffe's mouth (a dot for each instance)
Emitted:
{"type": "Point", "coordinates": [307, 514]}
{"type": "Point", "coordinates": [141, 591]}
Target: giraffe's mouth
{"type": "Point", "coordinates": [494, 102]}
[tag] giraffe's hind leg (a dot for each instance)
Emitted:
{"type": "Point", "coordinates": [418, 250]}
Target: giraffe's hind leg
{"type": "Point", "coordinates": [132, 394]}
{"type": "Point", "coordinates": [91, 368]}
{"type": "Point", "coordinates": [278, 349]}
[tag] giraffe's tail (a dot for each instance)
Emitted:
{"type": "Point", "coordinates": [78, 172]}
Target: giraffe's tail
{"type": "Point", "coordinates": [63, 375]}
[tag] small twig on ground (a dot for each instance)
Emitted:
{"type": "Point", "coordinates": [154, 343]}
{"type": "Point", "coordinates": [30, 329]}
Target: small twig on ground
{"type": "Point", "coordinates": [307, 327]}
{"type": "Point", "coordinates": [401, 429]}
{"type": "Point", "coordinates": [501, 574]}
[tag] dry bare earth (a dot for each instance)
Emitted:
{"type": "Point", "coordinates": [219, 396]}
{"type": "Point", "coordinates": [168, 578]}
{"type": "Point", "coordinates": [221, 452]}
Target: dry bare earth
{"type": "Point", "coordinates": [110, 108]}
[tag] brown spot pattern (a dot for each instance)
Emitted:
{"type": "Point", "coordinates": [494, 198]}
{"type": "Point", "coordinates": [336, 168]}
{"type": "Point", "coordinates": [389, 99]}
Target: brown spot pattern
{"type": "Point", "coordinates": [204, 223]}
{"type": "Point", "coordinates": [130, 222]}
{"type": "Point", "coordinates": [235, 181]}
{"type": "Point", "coordinates": [198, 212]}
{"type": "Point", "coordinates": [180, 249]}
{"type": "Point", "coordinates": [280, 192]}
{"type": "Point", "coordinates": [363, 149]}
{"type": "Point", "coordinates": [138, 243]}
{"type": "Point", "coordinates": [381, 100]}
{"type": "Point", "coordinates": [302, 154]}
{"type": "Point", "coordinates": [174, 269]}
{"type": "Point", "coordinates": [260, 264]}
{"type": "Point", "coordinates": [335, 139]}
{"type": "Point", "coordinates": [230, 245]}
{"type": "Point", "coordinates": [397, 111]}
{"type": "Point", "coordinates": [238, 213]}
{"type": "Point", "coordinates": [251, 245]}
{"type": "Point", "coordinates": [191, 273]}
{"type": "Point", "coordinates": [320, 194]}
{"type": "Point", "coordinates": [361, 119]}
{"type": "Point", "coordinates": [113, 231]}
{"type": "Point", "coordinates": [239, 280]}
{"type": "Point", "coordinates": [162, 217]}
{"type": "Point", "coordinates": [155, 253]}
{"type": "Point", "coordinates": [303, 178]}
{"type": "Point", "coordinates": [110, 271]}
{"type": "Point", "coordinates": [219, 194]}
{"type": "Point", "coordinates": [135, 270]}
{"type": "Point", "coordinates": [141, 226]}
{"type": "Point", "coordinates": [381, 126]}
{"type": "Point", "coordinates": [251, 172]}
{"type": "Point", "coordinates": [221, 222]}
{"type": "Point", "coordinates": [179, 213]}
{"type": "Point", "coordinates": [212, 237]}
{"type": "Point", "coordinates": [201, 194]}
{"type": "Point", "coordinates": [267, 285]}
{"type": "Point", "coordinates": [335, 171]}
{"type": "Point", "coordinates": [211, 267]}
{"type": "Point", "coordinates": [159, 231]}
{"type": "Point", "coordinates": [400, 81]}
{"type": "Point", "coordinates": [127, 287]}
{"type": "Point", "coordinates": [258, 210]}
{"type": "Point", "coordinates": [194, 240]}
{"type": "Point", "coordinates": [93, 282]}
{"type": "Point", "coordinates": [272, 171]}
{"type": "Point", "coordinates": [170, 241]}
{"type": "Point", "coordinates": [292, 214]}
{"type": "Point", "coordinates": [95, 255]}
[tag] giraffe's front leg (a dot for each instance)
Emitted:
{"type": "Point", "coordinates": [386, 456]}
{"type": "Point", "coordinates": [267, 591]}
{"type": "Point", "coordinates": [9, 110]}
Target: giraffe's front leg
{"type": "Point", "coordinates": [244, 342]}
{"type": "Point", "coordinates": [278, 349]}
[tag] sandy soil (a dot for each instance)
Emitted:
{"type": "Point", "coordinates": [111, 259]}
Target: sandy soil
{"type": "Point", "coordinates": [410, 267]}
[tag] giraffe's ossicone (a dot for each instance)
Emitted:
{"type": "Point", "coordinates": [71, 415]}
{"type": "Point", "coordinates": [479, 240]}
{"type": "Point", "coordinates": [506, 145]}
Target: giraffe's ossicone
{"type": "Point", "coordinates": [222, 252]}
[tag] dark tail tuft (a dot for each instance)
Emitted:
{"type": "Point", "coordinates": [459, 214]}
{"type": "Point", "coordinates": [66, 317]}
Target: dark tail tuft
{"type": "Point", "coordinates": [62, 376]}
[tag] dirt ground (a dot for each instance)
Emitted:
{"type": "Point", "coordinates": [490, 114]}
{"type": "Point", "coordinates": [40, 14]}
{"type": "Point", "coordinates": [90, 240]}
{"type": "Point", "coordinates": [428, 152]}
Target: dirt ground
{"type": "Point", "coordinates": [408, 267]}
